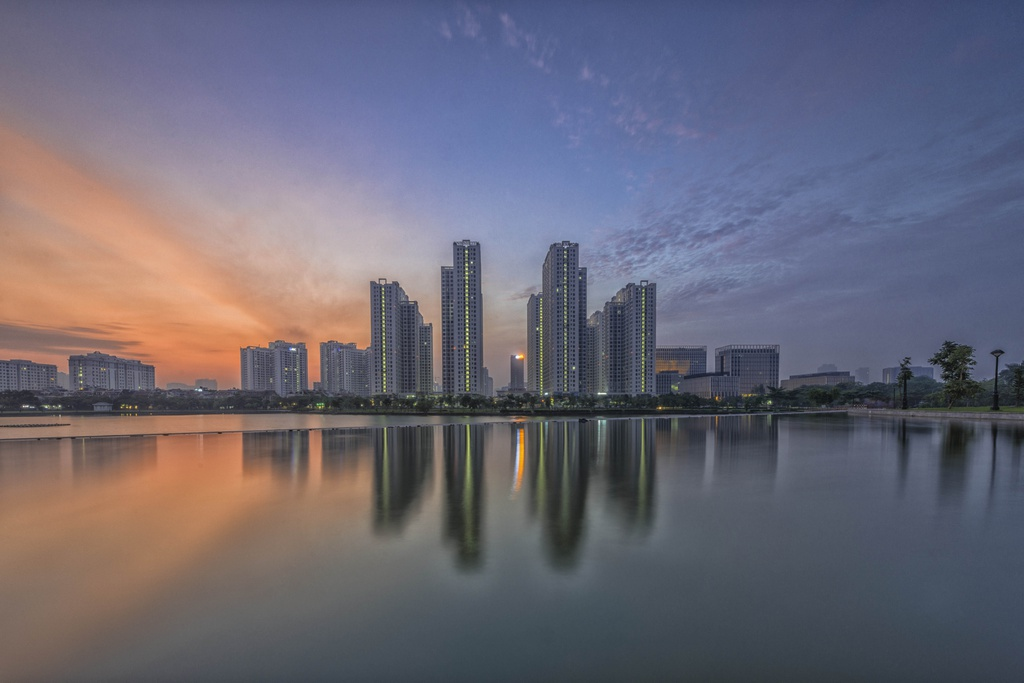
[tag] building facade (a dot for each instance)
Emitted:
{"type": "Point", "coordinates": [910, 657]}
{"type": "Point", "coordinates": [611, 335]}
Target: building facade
{"type": "Point", "coordinates": [756, 365]}
{"type": "Point", "coordinates": [535, 344]}
{"type": "Point", "coordinates": [26, 375]}
{"type": "Point", "coordinates": [100, 371]}
{"type": "Point", "coordinates": [711, 385]}
{"type": "Point", "coordinates": [517, 373]}
{"type": "Point", "coordinates": [343, 369]}
{"type": "Point", "coordinates": [462, 321]}
{"type": "Point", "coordinates": [686, 360]}
{"type": "Point", "coordinates": [889, 374]}
{"type": "Point", "coordinates": [817, 379]}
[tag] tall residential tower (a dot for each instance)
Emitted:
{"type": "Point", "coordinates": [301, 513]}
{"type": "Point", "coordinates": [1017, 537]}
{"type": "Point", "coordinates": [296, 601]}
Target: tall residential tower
{"type": "Point", "coordinates": [462, 322]}
{"type": "Point", "coordinates": [563, 334]}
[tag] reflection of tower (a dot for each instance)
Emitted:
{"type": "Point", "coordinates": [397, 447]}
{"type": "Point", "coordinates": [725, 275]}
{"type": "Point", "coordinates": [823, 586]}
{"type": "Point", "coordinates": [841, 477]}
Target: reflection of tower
{"type": "Point", "coordinates": [746, 447]}
{"type": "Point", "coordinates": [956, 438]}
{"type": "Point", "coordinates": [285, 454]}
{"type": "Point", "coordinates": [631, 470]}
{"type": "Point", "coordinates": [560, 460]}
{"type": "Point", "coordinates": [402, 464]}
{"type": "Point", "coordinates": [685, 441]}
{"type": "Point", "coordinates": [341, 449]}
{"type": "Point", "coordinates": [463, 474]}
{"type": "Point", "coordinates": [112, 456]}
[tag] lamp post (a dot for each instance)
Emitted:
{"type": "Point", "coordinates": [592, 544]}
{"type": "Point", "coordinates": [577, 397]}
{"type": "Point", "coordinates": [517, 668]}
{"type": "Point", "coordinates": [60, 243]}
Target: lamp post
{"type": "Point", "coordinates": [995, 389]}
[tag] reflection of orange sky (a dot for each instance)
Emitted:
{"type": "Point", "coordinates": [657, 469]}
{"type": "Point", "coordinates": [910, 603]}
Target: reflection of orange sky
{"type": "Point", "coordinates": [80, 251]}
{"type": "Point", "coordinates": [160, 527]}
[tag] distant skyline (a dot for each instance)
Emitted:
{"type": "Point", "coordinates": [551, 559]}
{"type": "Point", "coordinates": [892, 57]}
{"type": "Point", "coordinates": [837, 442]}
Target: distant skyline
{"type": "Point", "coordinates": [182, 179]}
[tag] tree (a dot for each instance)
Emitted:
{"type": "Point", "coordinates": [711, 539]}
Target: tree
{"type": "Point", "coordinates": [904, 376]}
{"type": "Point", "coordinates": [1016, 383]}
{"type": "Point", "coordinates": [956, 361]}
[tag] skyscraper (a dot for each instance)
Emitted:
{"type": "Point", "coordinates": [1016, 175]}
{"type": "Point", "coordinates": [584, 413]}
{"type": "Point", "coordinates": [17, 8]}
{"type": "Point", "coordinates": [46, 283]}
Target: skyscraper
{"type": "Point", "coordinates": [628, 331]}
{"type": "Point", "coordinates": [397, 338]}
{"type": "Point", "coordinates": [757, 365]}
{"type": "Point", "coordinates": [516, 374]}
{"type": "Point", "coordinates": [462, 321]}
{"type": "Point", "coordinates": [564, 318]}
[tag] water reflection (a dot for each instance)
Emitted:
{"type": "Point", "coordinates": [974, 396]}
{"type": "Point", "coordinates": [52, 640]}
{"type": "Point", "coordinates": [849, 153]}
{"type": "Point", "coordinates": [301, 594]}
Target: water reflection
{"type": "Point", "coordinates": [24, 461]}
{"type": "Point", "coordinates": [113, 457]}
{"type": "Point", "coordinates": [630, 458]}
{"type": "Point", "coordinates": [342, 449]}
{"type": "Point", "coordinates": [284, 455]}
{"type": "Point", "coordinates": [403, 460]}
{"type": "Point", "coordinates": [559, 457]}
{"type": "Point", "coordinates": [464, 491]}
{"type": "Point", "coordinates": [953, 462]}
{"type": "Point", "coordinates": [746, 448]}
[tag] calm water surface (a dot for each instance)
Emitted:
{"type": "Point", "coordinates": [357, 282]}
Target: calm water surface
{"type": "Point", "coordinates": [738, 548]}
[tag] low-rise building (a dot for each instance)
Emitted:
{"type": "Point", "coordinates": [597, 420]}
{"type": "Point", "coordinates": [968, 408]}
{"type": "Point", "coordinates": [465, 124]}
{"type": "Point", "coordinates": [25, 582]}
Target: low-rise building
{"type": "Point", "coordinates": [711, 385]}
{"type": "Point", "coordinates": [817, 379]}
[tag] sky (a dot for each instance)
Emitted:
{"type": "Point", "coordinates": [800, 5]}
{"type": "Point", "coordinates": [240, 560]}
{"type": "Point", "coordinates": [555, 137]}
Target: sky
{"type": "Point", "coordinates": [181, 179]}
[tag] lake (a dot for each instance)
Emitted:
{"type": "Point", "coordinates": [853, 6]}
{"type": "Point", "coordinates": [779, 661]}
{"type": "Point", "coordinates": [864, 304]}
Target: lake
{"type": "Point", "coordinates": [730, 548]}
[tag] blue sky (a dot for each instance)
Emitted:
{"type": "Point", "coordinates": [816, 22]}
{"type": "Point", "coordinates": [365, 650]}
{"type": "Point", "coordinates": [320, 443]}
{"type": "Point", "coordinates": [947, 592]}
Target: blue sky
{"type": "Point", "coordinates": [844, 179]}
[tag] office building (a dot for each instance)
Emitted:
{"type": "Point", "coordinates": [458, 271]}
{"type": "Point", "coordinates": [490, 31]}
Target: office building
{"type": "Point", "coordinates": [397, 336]}
{"type": "Point", "coordinates": [564, 309]}
{"type": "Point", "coordinates": [863, 375]}
{"type": "Point", "coordinates": [26, 375]}
{"type": "Point", "coordinates": [711, 385]}
{"type": "Point", "coordinates": [817, 379]}
{"type": "Point", "coordinates": [889, 374]}
{"type": "Point", "coordinates": [628, 341]}
{"type": "Point", "coordinates": [101, 372]}
{"type": "Point", "coordinates": [516, 373]}
{"type": "Point", "coordinates": [686, 360]}
{"type": "Point", "coordinates": [462, 321]}
{"type": "Point", "coordinates": [343, 369]}
{"type": "Point", "coordinates": [756, 365]}
{"type": "Point", "coordinates": [535, 344]}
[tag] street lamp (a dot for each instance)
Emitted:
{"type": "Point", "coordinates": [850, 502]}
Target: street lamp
{"type": "Point", "coordinates": [995, 390]}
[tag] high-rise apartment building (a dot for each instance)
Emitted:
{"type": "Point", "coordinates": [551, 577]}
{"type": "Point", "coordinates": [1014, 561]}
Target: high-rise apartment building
{"type": "Point", "coordinates": [628, 334]}
{"type": "Point", "coordinates": [257, 368]}
{"type": "Point", "coordinates": [535, 344]}
{"type": "Point", "coordinates": [757, 365]}
{"type": "Point", "coordinates": [100, 371]}
{"type": "Point", "coordinates": [291, 367]}
{"type": "Point", "coordinates": [282, 367]}
{"type": "Point", "coordinates": [25, 375]}
{"type": "Point", "coordinates": [462, 321]}
{"type": "Point", "coordinates": [591, 363]}
{"type": "Point", "coordinates": [516, 373]}
{"type": "Point", "coordinates": [425, 383]}
{"type": "Point", "coordinates": [686, 360]}
{"type": "Point", "coordinates": [343, 369]}
{"type": "Point", "coordinates": [398, 342]}
{"type": "Point", "coordinates": [564, 309]}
